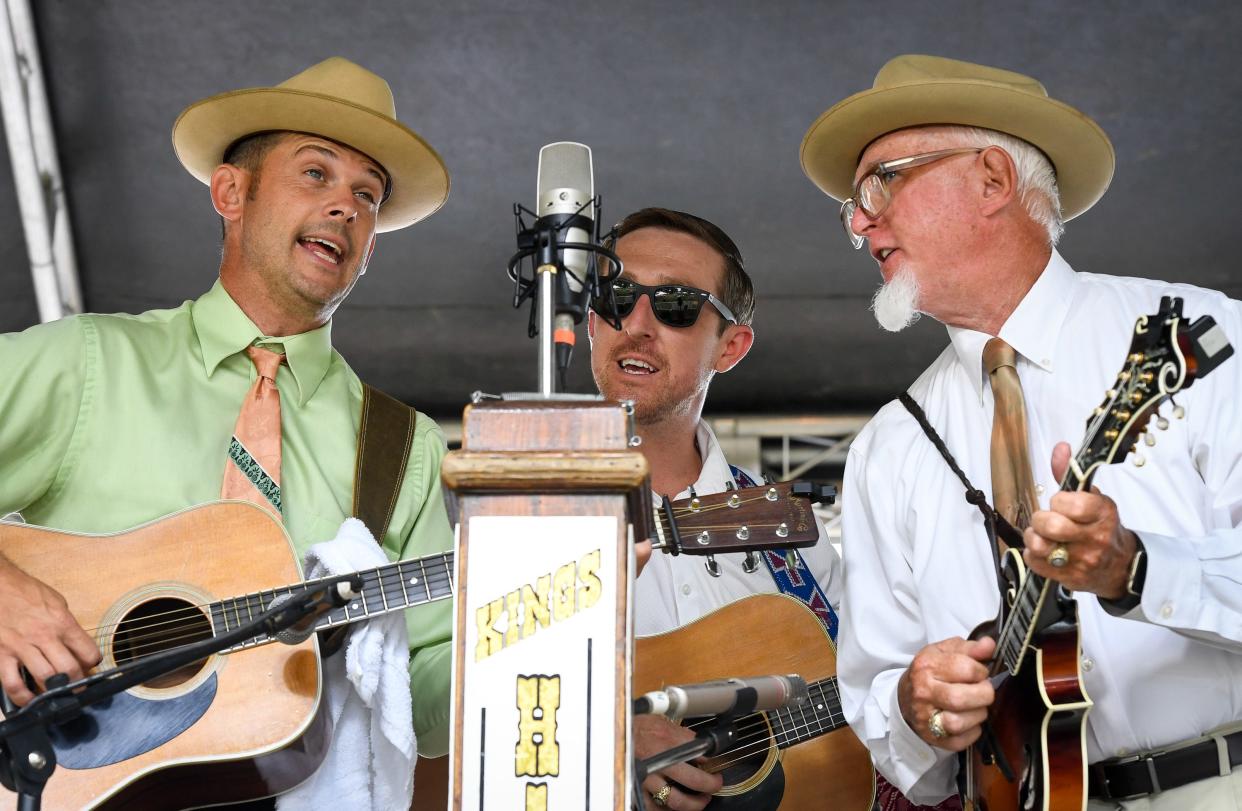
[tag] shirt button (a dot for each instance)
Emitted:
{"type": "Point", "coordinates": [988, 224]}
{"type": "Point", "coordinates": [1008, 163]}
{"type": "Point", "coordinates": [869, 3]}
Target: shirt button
{"type": "Point", "coordinates": [1039, 489]}
{"type": "Point", "coordinates": [685, 588]}
{"type": "Point", "coordinates": [1088, 663]}
{"type": "Point", "coordinates": [1045, 362]}
{"type": "Point", "coordinates": [1166, 610]}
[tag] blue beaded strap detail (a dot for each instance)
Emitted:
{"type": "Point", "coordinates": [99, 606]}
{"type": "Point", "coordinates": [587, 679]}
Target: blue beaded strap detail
{"type": "Point", "coordinates": [793, 577]}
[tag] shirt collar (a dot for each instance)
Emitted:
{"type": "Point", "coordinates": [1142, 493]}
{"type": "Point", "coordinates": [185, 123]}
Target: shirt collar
{"type": "Point", "coordinates": [223, 330]}
{"type": "Point", "coordinates": [1032, 329]}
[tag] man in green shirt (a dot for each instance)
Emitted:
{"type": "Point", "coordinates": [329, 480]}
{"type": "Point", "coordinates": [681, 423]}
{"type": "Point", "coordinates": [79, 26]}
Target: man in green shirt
{"type": "Point", "coordinates": [107, 422]}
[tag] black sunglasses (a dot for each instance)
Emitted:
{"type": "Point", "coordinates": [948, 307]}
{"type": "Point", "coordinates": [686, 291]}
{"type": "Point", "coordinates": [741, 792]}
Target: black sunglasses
{"type": "Point", "coordinates": [676, 305]}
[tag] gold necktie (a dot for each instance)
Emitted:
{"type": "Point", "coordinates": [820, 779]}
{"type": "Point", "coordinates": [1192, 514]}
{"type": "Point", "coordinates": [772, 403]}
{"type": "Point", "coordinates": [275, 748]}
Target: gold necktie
{"type": "Point", "coordinates": [252, 472]}
{"type": "Point", "coordinates": [1013, 484]}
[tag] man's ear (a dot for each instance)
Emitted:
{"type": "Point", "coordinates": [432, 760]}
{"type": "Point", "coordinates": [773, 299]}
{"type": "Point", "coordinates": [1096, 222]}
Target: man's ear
{"type": "Point", "coordinates": [590, 325]}
{"type": "Point", "coordinates": [734, 343]}
{"type": "Point", "coordinates": [228, 186]}
{"type": "Point", "coordinates": [1000, 180]}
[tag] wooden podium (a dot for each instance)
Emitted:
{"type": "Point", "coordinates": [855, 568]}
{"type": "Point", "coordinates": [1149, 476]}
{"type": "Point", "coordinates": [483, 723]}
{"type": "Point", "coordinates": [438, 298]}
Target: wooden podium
{"type": "Point", "coordinates": [546, 493]}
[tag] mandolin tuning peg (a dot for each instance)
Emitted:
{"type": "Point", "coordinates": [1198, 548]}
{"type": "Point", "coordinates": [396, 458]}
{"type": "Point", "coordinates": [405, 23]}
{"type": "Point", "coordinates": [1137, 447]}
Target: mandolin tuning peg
{"type": "Point", "coordinates": [751, 563]}
{"type": "Point", "coordinates": [1149, 439]}
{"type": "Point", "coordinates": [1139, 461]}
{"type": "Point", "coordinates": [713, 568]}
{"type": "Point", "coordinates": [1179, 412]}
{"type": "Point", "coordinates": [1162, 423]}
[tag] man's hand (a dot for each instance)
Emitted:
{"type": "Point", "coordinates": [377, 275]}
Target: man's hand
{"type": "Point", "coordinates": [1100, 548]}
{"type": "Point", "coordinates": [948, 677]}
{"type": "Point", "coordinates": [38, 632]}
{"type": "Point", "coordinates": [652, 735]}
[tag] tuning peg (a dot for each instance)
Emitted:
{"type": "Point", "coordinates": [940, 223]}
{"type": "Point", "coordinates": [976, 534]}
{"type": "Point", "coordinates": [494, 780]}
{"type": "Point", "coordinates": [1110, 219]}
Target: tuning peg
{"type": "Point", "coordinates": [713, 568]}
{"type": "Point", "coordinates": [1139, 461]}
{"type": "Point", "coordinates": [1149, 439]}
{"type": "Point", "coordinates": [1178, 412]}
{"type": "Point", "coordinates": [1162, 423]}
{"type": "Point", "coordinates": [751, 563]}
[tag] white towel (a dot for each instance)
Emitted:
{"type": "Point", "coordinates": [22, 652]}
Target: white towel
{"type": "Point", "coordinates": [370, 762]}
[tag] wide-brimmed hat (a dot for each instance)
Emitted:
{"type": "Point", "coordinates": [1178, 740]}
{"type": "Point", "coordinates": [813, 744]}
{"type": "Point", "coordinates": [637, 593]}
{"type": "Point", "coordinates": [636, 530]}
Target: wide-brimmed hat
{"type": "Point", "coordinates": [338, 100]}
{"type": "Point", "coordinates": [915, 90]}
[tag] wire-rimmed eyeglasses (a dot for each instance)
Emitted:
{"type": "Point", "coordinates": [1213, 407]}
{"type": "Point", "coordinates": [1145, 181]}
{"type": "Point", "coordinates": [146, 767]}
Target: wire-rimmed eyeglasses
{"type": "Point", "coordinates": [871, 192]}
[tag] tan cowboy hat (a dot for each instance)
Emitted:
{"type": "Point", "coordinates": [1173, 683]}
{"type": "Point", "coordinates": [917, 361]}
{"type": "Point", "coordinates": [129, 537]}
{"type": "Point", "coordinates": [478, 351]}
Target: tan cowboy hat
{"type": "Point", "coordinates": [914, 90]}
{"type": "Point", "coordinates": [338, 100]}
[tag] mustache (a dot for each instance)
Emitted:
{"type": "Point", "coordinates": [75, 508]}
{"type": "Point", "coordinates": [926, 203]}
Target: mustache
{"type": "Point", "coordinates": [644, 348]}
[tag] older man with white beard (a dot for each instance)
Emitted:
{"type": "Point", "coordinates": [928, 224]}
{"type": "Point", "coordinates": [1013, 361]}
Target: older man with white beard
{"type": "Point", "coordinates": [958, 177]}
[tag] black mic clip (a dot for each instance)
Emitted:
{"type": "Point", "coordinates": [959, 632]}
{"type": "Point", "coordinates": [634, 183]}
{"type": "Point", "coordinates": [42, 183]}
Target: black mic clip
{"type": "Point", "coordinates": [542, 242]}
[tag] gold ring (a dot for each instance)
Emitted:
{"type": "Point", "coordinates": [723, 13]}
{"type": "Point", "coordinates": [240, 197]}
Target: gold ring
{"type": "Point", "coordinates": [660, 798]}
{"type": "Point", "coordinates": [1059, 556]}
{"type": "Point", "coordinates": [937, 728]}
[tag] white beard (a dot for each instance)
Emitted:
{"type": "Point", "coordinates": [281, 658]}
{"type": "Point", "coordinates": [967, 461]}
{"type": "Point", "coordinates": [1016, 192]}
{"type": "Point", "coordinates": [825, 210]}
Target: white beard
{"type": "Point", "coordinates": [896, 303]}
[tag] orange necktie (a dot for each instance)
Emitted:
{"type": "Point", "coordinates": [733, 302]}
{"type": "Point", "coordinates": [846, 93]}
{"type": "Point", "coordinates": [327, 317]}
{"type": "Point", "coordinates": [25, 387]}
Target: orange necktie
{"type": "Point", "coordinates": [253, 470]}
{"type": "Point", "coordinates": [1013, 484]}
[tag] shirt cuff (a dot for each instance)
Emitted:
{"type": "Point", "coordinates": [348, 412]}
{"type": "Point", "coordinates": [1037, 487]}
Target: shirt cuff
{"type": "Point", "coordinates": [912, 757]}
{"type": "Point", "coordinates": [1174, 578]}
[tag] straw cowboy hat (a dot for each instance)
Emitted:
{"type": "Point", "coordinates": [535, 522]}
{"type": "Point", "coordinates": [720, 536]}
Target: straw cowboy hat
{"type": "Point", "coordinates": [338, 100]}
{"type": "Point", "coordinates": [914, 90]}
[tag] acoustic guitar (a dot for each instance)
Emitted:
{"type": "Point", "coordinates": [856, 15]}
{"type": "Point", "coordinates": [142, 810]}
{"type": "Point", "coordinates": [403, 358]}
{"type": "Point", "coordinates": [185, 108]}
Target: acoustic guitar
{"type": "Point", "coordinates": [784, 760]}
{"type": "Point", "coordinates": [1032, 755]}
{"type": "Point", "coordinates": [248, 723]}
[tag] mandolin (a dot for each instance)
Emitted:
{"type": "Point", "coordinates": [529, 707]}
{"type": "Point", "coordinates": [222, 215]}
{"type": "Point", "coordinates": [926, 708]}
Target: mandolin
{"type": "Point", "coordinates": [1032, 754]}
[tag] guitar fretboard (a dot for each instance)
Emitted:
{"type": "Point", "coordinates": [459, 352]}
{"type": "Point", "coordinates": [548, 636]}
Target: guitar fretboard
{"type": "Point", "coordinates": [821, 713]}
{"type": "Point", "coordinates": [385, 589]}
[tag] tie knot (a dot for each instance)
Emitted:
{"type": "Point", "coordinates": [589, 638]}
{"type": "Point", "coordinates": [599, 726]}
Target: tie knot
{"type": "Point", "coordinates": [265, 361]}
{"type": "Point", "coordinates": [996, 354]}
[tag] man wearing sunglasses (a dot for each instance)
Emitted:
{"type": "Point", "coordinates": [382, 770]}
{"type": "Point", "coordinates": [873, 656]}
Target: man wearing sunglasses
{"type": "Point", "coordinates": [685, 303]}
{"type": "Point", "coordinates": [958, 178]}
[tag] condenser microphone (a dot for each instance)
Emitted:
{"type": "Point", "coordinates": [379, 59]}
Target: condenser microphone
{"type": "Point", "coordinates": [329, 596]}
{"type": "Point", "coordinates": [566, 191]}
{"type": "Point", "coordinates": [756, 694]}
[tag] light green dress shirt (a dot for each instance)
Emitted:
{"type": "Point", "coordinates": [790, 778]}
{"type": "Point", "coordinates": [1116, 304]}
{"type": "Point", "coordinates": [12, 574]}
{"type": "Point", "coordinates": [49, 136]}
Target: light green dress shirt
{"type": "Point", "coordinates": [110, 421]}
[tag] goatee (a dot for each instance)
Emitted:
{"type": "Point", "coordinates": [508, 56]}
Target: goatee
{"type": "Point", "coordinates": [896, 303]}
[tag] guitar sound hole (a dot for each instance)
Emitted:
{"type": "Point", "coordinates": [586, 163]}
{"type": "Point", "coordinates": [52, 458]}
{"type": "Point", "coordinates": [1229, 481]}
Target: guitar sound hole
{"type": "Point", "coordinates": [748, 755]}
{"type": "Point", "coordinates": [160, 625]}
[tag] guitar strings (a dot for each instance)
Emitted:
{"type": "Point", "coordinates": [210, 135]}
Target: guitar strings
{"type": "Point", "coordinates": [386, 579]}
{"type": "Point", "coordinates": [759, 738]}
{"type": "Point", "coordinates": [260, 637]}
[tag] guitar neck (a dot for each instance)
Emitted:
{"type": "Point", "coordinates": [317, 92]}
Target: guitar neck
{"type": "Point", "coordinates": [385, 589]}
{"type": "Point", "coordinates": [821, 713]}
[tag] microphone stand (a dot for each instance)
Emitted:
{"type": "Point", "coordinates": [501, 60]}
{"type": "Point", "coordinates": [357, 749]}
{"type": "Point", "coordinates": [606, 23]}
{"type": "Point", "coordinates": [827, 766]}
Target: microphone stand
{"type": "Point", "coordinates": [710, 739]}
{"type": "Point", "coordinates": [548, 285]}
{"type": "Point", "coordinates": [27, 758]}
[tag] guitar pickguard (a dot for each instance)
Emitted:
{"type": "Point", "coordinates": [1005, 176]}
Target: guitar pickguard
{"type": "Point", "coordinates": [135, 725]}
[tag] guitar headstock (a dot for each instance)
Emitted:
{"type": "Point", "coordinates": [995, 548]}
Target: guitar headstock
{"type": "Point", "coordinates": [1166, 355]}
{"type": "Point", "coordinates": [770, 516]}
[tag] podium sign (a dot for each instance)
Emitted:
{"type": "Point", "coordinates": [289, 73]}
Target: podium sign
{"type": "Point", "coordinates": [542, 658]}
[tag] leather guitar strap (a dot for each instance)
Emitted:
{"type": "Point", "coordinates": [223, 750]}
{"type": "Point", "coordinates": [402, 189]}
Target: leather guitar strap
{"type": "Point", "coordinates": [385, 435]}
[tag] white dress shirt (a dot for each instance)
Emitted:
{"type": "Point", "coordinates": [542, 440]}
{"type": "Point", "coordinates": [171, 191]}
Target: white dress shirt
{"type": "Point", "coordinates": [916, 557]}
{"type": "Point", "coordinates": [675, 590]}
